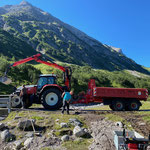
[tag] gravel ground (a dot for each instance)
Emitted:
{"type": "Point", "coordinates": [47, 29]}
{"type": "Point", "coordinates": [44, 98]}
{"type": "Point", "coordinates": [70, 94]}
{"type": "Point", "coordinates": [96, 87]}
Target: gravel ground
{"type": "Point", "coordinates": [102, 132]}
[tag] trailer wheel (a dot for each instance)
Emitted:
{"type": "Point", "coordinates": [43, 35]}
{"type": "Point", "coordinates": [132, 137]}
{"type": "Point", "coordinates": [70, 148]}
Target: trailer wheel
{"type": "Point", "coordinates": [118, 105]}
{"type": "Point", "coordinates": [51, 99]}
{"type": "Point", "coordinates": [134, 105]}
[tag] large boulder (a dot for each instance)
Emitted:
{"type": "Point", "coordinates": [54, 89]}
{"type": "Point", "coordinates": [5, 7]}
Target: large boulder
{"type": "Point", "coordinates": [78, 131]}
{"type": "Point", "coordinates": [6, 136]}
{"type": "Point", "coordinates": [75, 122]}
{"type": "Point", "coordinates": [65, 138]}
{"type": "Point", "coordinates": [26, 124]}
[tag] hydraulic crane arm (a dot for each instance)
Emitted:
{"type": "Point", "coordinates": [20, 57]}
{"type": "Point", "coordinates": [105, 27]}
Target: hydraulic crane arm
{"type": "Point", "coordinates": [38, 58]}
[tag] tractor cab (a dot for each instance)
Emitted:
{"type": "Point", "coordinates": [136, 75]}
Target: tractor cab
{"type": "Point", "coordinates": [46, 79]}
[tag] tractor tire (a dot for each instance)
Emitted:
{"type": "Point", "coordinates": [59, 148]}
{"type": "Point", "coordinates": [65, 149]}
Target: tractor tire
{"type": "Point", "coordinates": [16, 102]}
{"type": "Point", "coordinates": [51, 99]}
{"type": "Point", "coordinates": [118, 105]}
{"type": "Point", "coordinates": [134, 105]}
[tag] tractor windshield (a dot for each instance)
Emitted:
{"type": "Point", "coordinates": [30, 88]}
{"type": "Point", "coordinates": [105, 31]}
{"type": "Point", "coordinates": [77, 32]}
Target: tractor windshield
{"type": "Point", "coordinates": [45, 80]}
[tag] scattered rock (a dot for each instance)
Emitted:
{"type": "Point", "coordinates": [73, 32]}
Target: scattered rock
{"type": "Point", "coordinates": [119, 124]}
{"type": "Point", "coordinates": [78, 131]}
{"type": "Point", "coordinates": [17, 117]}
{"type": "Point", "coordinates": [65, 138]}
{"type": "Point", "coordinates": [30, 134]}
{"type": "Point", "coordinates": [2, 118]}
{"type": "Point", "coordinates": [2, 125]}
{"type": "Point", "coordinates": [26, 124]}
{"type": "Point", "coordinates": [17, 145]}
{"type": "Point", "coordinates": [8, 147]}
{"type": "Point", "coordinates": [28, 142]}
{"type": "Point", "coordinates": [75, 122]}
{"type": "Point", "coordinates": [142, 124]}
{"type": "Point", "coordinates": [64, 132]}
{"type": "Point", "coordinates": [57, 120]}
{"type": "Point", "coordinates": [63, 125]}
{"type": "Point", "coordinates": [6, 136]}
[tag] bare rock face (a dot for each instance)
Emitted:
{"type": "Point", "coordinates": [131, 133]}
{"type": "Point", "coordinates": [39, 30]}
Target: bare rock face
{"type": "Point", "coordinates": [119, 50]}
{"type": "Point", "coordinates": [112, 48]}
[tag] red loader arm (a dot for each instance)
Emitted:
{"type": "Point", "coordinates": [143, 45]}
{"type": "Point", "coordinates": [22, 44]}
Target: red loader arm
{"type": "Point", "coordinates": [38, 58]}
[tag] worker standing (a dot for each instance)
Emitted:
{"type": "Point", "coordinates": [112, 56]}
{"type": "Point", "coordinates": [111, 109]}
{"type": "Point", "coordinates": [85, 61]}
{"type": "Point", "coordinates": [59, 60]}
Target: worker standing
{"type": "Point", "coordinates": [66, 100]}
{"type": "Point", "coordinates": [23, 96]}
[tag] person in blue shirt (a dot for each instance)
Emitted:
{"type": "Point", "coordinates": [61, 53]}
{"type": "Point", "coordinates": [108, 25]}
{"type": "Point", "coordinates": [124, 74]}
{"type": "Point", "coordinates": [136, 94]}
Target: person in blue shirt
{"type": "Point", "coordinates": [66, 100]}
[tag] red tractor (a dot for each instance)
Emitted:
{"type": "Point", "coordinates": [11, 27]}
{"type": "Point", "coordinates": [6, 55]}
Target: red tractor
{"type": "Point", "coordinates": [47, 92]}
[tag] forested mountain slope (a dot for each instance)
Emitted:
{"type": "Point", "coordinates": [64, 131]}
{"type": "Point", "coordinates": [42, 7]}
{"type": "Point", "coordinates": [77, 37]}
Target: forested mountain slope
{"type": "Point", "coordinates": [61, 41]}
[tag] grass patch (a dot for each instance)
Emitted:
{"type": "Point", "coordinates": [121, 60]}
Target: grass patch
{"type": "Point", "coordinates": [145, 105]}
{"type": "Point", "coordinates": [104, 107]}
{"type": "Point", "coordinates": [36, 106]}
{"type": "Point", "coordinates": [113, 117]}
{"type": "Point", "coordinates": [10, 117]}
{"type": "Point", "coordinates": [45, 148]}
{"type": "Point", "coordinates": [78, 145]}
{"type": "Point", "coordinates": [37, 118]}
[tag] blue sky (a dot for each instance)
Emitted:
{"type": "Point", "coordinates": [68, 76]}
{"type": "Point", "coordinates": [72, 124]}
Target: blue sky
{"type": "Point", "coordinates": [119, 23]}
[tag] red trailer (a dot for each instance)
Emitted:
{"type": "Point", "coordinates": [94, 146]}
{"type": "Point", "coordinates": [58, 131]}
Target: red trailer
{"type": "Point", "coordinates": [117, 98]}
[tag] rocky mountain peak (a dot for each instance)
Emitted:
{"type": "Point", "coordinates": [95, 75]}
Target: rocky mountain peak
{"type": "Point", "coordinates": [25, 3]}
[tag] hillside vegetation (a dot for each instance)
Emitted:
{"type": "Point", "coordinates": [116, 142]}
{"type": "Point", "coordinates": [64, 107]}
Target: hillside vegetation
{"type": "Point", "coordinates": [28, 74]}
{"type": "Point", "coordinates": [14, 47]}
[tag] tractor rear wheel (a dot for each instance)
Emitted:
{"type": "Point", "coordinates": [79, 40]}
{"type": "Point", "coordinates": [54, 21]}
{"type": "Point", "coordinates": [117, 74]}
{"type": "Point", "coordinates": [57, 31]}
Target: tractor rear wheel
{"type": "Point", "coordinates": [118, 105]}
{"type": "Point", "coordinates": [51, 99]}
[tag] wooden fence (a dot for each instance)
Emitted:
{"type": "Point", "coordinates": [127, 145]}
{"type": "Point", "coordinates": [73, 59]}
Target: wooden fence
{"type": "Point", "coordinates": [5, 101]}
